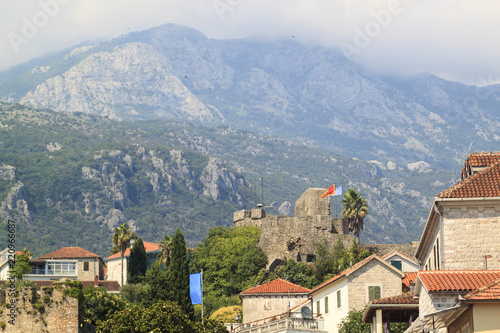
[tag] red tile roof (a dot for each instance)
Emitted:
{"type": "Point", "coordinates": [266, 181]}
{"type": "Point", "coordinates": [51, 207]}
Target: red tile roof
{"type": "Point", "coordinates": [149, 247]}
{"type": "Point", "coordinates": [407, 298]}
{"type": "Point", "coordinates": [69, 252]}
{"type": "Point", "coordinates": [488, 292]}
{"type": "Point", "coordinates": [439, 281]}
{"type": "Point", "coordinates": [409, 278]}
{"type": "Point", "coordinates": [484, 184]}
{"type": "Point", "coordinates": [482, 159]}
{"type": "Point", "coordinates": [278, 286]}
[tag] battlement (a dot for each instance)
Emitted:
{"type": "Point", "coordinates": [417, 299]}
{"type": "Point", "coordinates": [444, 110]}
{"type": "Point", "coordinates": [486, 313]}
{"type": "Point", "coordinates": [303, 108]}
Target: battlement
{"type": "Point", "coordinates": [287, 237]}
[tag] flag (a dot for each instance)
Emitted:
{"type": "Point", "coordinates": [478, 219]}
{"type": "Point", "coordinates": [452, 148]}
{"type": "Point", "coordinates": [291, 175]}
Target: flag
{"type": "Point", "coordinates": [330, 191]}
{"type": "Point", "coordinates": [338, 191]}
{"type": "Point", "coordinates": [195, 290]}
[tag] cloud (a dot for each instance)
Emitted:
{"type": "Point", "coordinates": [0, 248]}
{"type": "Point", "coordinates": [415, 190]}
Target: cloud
{"type": "Point", "coordinates": [455, 39]}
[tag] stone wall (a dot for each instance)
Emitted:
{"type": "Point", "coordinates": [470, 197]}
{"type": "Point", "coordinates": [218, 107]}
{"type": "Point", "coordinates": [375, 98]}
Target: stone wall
{"type": "Point", "coordinates": [285, 237]}
{"type": "Point", "coordinates": [95, 268]}
{"type": "Point", "coordinates": [382, 249]}
{"type": "Point", "coordinates": [52, 312]}
{"type": "Point", "coordinates": [470, 233]}
{"type": "Point", "coordinates": [432, 302]}
{"type": "Point", "coordinates": [373, 273]}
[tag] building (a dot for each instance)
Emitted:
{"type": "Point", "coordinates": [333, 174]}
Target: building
{"type": "Point", "coordinates": [462, 229]}
{"type": "Point", "coordinates": [458, 301]}
{"type": "Point", "coordinates": [114, 262]}
{"type": "Point", "coordinates": [370, 279]}
{"type": "Point", "coordinates": [286, 237]}
{"type": "Point", "coordinates": [401, 261]}
{"type": "Point", "coordinates": [271, 299]}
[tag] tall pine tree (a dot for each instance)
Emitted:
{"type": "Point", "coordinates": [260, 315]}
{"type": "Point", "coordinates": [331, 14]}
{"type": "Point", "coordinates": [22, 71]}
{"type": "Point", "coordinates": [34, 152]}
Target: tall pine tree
{"type": "Point", "coordinates": [137, 264]}
{"type": "Point", "coordinates": [178, 275]}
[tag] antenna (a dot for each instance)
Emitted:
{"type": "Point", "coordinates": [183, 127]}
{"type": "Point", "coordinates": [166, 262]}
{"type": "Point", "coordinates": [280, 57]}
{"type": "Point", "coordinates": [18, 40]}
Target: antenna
{"type": "Point", "coordinates": [246, 194]}
{"type": "Point", "coordinates": [255, 198]}
{"type": "Point", "coordinates": [470, 146]}
{"type": "Point", "coordinates": [262, 179]}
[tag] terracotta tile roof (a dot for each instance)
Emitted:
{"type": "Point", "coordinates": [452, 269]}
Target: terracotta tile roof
{"type": "Point", "coordinates": [278, 286]}
{"type": "Point", "coordinates": [488, 292]}
{"type": "Point", "coordinates": [482, 159]}
{"type": "Point", "coordinates": [350, 270]}
{"type": "Point", "coordinates": [69, 252]}
{"type": "Point", "coordinates": [438, 281]}
{"type": "Point", "coordinates": [109, 285]}
{"type": "Point", "coordinates": [149, 247]}
{"type": "Point", "coordinates": [398, 299]}
{"type": "Point", "coordinates": [484, 184]}
{"type": "Point", "coordinates": [409, 278]}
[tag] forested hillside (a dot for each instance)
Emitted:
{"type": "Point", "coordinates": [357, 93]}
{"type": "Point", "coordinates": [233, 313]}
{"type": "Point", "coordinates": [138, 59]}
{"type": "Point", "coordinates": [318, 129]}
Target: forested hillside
{"type": "Point", "coordinates": [69, 179]}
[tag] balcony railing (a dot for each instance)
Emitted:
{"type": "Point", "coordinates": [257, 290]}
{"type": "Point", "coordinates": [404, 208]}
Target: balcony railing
{"type": "Point", "coordinates": [279, 323]}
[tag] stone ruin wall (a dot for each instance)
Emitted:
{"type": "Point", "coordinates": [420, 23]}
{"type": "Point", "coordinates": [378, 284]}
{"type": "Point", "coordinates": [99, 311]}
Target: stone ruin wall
{"type": "Point", "coordinates": [59, 313]}
{"type": "Point", "coordinates": [285, 237]}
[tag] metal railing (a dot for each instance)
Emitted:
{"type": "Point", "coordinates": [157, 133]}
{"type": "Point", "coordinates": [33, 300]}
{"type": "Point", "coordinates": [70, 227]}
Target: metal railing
{"type": "Point", "coordinates": [278, 322]}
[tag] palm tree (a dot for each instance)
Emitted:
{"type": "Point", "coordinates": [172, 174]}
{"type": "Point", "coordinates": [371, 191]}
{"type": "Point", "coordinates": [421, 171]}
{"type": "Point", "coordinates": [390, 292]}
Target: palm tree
{"type": "Point", "coordinates": [164, 254]}
{"type": "Point", "coordinates": [121, 238]}
{"type": "Point", "coordinates": [354, 211]}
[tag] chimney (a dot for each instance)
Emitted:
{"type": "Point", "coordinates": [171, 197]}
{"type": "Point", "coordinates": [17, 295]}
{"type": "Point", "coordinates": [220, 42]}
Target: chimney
{"type": "Point", "coordinates": [96, 281]}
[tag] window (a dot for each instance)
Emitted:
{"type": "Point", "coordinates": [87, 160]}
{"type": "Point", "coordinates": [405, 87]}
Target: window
{"type": "Point", "coordinates": [317, 307]}
{"type": "Point", "coordinates": [373, 293]}
{"type": "Point", "coordinates": [326, 304]}
{"type": "Point", "coordinates": [339, 303]}
{"type": "Point", "coordinates": [397, 263]}
{"type": "Point", "coordinates": [86, 266]}
{"type": "Point", "coordinates": [435, 257]}
{"type": "Point", "coordinates": [61, 268]}
{"type": "Point", "coordinates": [437, 246]}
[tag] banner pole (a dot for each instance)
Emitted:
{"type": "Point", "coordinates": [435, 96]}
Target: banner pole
{"type": "Point", "coordinates": [202, 296]}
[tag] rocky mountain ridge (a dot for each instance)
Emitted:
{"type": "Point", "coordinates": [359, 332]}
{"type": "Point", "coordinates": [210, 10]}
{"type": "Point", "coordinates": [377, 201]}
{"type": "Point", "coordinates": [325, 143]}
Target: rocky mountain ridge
{"type": "Point", "coordinates": [306, 94]}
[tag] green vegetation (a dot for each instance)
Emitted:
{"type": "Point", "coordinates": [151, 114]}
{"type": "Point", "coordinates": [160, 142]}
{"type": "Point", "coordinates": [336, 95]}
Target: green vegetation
{"type": "Point", "coordinates": [121, 238]}
{"type": "Point", "coordinates": [354, 211]}
{"type": "Point", "coordinates": [163, 316]}
{"type": "Point", "coordinates": [137, 264]}
{"type": "Point", "coordinates": [22, 266]}
{"type": "Point", "coordinates": [353, 323]}
{"type": "Point", "coordinates": [98, 305]}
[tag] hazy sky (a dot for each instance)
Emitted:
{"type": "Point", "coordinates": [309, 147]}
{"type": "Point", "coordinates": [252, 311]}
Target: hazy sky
{"type": "Point", "coordinates": [455, 39]}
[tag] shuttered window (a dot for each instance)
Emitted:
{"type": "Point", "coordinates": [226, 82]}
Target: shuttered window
{"type": "Point", "coordinates": [339, 301]}
{"type": "Point", "coordinates": [326, 304]}
{"type": "Point", "coordinates": [373, 292]}
{"type": "Point", "coordinates": [317, 307]}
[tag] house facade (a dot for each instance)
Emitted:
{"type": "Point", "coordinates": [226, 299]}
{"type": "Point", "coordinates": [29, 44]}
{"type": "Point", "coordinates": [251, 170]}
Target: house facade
{"type": "Point", "coordinates": [370, 279]}
{"type": "Point", "coordinates": [114, 262]}
{"type": "Point", "coordinates": [464, 217]}
{"type": "Point", "coordinates": [271, 299]}
{"type": "Point", "coordinates": [401, 261]}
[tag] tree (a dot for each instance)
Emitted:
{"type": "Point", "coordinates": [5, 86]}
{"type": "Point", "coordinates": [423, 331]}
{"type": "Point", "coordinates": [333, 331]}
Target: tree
{"type": "Point", "coordinates": [164, 254]}
{"type": "Point", "coordinates": [178, 275]}
{"type": "Point", "coordinates": [137, 264]}
{"type": "Point", "coordinates": [99, 305]}
{"type": "Point", "coordinates": [353, 323]}
{"type": "Point", "coordinates": [122, 236]}
{"type": "Point", "coordinates": [159, 288]}
{"type": "Point", "coordinates": [22, 265]}
{"type": "Point", "coordinates": [163, 316]}
{"type": "Point", "coordinates": [354, 211]}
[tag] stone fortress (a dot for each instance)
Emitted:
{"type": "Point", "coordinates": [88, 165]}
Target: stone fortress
{"type": "Point", "coordinates": [285, 237]}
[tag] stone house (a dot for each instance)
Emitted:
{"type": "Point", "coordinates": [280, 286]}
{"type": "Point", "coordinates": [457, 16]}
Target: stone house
{"type": "Point", "coordinates": [271, 299]}
{"type": "Point", "coordinates": [458, 301]}
{"type": "Point", "coordinates": [371, 278]}
{"type": "Point", "coordinates": [114, 262]}
{"type": "Point", "coordinates": [286, 237]}
{"type": "Point", "coordinates": [463, 226]}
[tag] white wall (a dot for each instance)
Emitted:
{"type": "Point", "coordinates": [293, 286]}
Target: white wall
{"type": "Point", "coordinates": [334, 315]}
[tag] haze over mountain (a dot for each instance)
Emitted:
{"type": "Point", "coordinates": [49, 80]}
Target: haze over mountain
{"type": "Point", "coordinates": [303, 93]}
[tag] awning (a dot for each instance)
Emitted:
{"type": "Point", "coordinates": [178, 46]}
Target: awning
{"type": "Point", "coordinates": [436, 320]}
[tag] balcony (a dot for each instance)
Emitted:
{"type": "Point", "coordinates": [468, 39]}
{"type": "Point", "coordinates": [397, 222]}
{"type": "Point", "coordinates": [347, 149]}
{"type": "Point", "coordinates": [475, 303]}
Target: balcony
{"type": "Point", "coordinates": [284, 324]}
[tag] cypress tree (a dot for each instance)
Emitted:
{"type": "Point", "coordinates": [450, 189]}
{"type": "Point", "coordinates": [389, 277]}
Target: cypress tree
{"type": "Point", "coordinates": [137, 264]}
{"type": "Point", "coordinates": [178, 275]}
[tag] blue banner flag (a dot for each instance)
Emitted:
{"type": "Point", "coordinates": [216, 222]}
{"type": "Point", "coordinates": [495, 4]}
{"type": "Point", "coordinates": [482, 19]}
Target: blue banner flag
{"type": "Point", "coordinates": [338, 191]}
{"type": "Point", "coordinates": [195, 288]}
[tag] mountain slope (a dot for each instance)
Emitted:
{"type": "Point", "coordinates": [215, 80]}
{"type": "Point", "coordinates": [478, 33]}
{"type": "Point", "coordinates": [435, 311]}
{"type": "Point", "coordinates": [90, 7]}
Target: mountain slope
{"type": "Point", "coordinates": [68, 179]}
{"type": "Point", "coordinates": [302, 93]}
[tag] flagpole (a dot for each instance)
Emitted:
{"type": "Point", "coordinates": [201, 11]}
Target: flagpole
{"type": "Point", "coordinates": [202, 296]}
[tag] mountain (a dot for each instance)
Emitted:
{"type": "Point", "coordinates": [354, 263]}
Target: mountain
{"type": "Point", "coordinates": [306, 94]}
{"type": "Point", "coordinates": [69, 178]}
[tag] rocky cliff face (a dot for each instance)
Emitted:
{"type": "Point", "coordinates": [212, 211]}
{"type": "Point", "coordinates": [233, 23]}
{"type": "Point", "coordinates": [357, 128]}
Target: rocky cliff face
{"type": "Point", "coordinates": [303, 93]}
